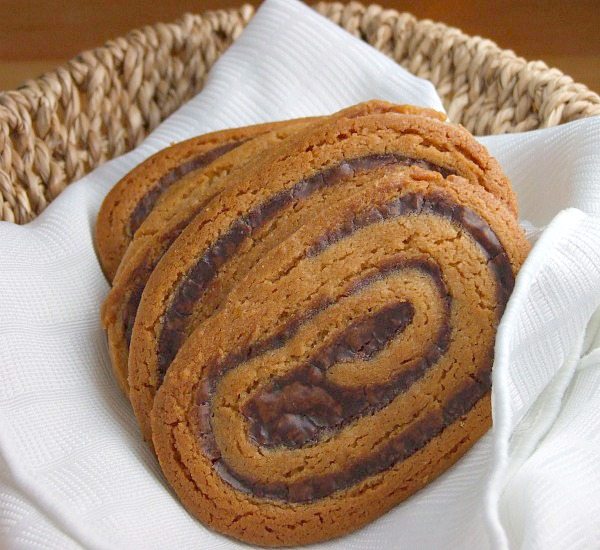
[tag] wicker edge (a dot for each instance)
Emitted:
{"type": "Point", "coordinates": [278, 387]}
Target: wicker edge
{"type": "Point", "coordinates": [102, 103]}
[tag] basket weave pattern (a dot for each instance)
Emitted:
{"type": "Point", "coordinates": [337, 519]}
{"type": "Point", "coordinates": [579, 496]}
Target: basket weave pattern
{"type": "Point", "coordinates": [101, 104]}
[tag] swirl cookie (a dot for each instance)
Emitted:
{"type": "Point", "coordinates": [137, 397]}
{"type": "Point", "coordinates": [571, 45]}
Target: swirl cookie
{"type": "Point", "coordinates": [162, 226]}
{"type": "Point", "coordinates": [278, 194]}
{"type": "Point", "coordinates": [349, 367]}
{"type": "Point", "coordinates": [131, 200]}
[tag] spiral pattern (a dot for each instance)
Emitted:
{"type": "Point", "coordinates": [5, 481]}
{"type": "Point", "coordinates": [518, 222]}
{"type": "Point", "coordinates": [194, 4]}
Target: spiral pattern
{"type": "Point", "coordinates": [346, 370]}
{"type": "Point", "coordinates": [184, 190]}
{"type": "Point", "coordinates": [298, 408]}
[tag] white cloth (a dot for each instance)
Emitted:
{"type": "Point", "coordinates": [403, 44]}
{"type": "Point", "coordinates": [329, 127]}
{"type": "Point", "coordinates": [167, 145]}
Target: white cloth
{"type": "Point", "coordinates": [73, 469]}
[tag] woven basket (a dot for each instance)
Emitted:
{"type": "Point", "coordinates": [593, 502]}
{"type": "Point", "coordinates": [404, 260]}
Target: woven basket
{"type": "Point", "coordinates": [102, 103]}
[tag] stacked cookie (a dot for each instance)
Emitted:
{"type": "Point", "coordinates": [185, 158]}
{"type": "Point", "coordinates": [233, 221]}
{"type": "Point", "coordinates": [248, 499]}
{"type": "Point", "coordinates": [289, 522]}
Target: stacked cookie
{"type": "Point", "coordinates": [303, 313]}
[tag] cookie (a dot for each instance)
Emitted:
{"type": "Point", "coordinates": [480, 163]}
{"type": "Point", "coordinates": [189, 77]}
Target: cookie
{"type": "Point", "coordinates": [284, 190]}
{"type": "Point", "coordinates": [131, 200]}
{"type": "Point", "coordinates": [350, 367]}
{"type": "Point", "coordinates": [181, 202]}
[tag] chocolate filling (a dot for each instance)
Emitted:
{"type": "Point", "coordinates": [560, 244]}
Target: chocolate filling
{"type": "Point", "coordinates": [397, 449]}
{"type": "Point", "coordinates": [147, 202]}
{"type": "Point", "coordinates": [142, 273]}
{"type": "Point", "coordinates": [294, 409]}
{"type": "Point", "coordinates": [297, 409]}
{"type": "Point", "coordinates": [302, 406]}
{"type": "Point", "coordinates": [174, 325]}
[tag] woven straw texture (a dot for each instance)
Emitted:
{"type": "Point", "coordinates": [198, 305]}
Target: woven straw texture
{"type": "Point", "coordinates": [102, 103]}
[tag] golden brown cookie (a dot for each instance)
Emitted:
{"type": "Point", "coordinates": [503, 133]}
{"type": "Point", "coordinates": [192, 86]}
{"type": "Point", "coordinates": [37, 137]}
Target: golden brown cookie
{"type": "Point", "coordinates": [180, 203]}
{"type": "Point", "coordinates": [350, 366]}
{"type": "Point", "coordinates": [131, 200]}
{"type": "Point", "coordinates": [282, 191]}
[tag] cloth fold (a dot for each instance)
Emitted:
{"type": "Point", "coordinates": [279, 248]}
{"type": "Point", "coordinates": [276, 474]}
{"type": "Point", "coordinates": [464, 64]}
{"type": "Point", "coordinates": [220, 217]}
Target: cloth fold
{"type": "Point", "coordinates": [73, 469]}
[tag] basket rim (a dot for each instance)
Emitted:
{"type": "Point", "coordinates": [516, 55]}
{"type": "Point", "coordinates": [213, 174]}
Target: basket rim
{"type": "Point", "coordinates": [105, 100]}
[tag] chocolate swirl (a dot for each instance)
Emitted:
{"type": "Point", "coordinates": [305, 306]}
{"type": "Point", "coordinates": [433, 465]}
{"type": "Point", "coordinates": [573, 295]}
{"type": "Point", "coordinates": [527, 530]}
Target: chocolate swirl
{"type": "Point", "coordinates": [149, 200]}
{"type": "Point", "coordinates": [304, 406]}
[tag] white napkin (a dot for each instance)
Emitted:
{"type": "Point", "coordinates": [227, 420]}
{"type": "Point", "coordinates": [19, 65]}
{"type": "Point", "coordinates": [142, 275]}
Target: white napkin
{"type": "Point", "coordinates": [73, 469]}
